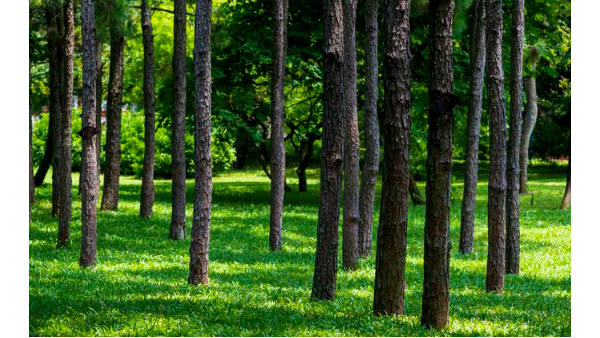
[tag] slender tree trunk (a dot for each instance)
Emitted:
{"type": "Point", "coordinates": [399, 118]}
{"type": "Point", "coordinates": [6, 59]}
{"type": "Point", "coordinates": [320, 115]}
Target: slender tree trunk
{"type": "Point", "coordinates": [178, 225]}
{"type": "Point", "coordinates": [566, 201]}
{"type": "Point", "coordinates": [147, 194]}
{"type": "Point", "coordinates": [200, 244]}
{"type": "Point", "coordinates": [413, 190]}
{"type": "Point", "coordinates": [31, 180]}
{"type": "Point", "coordinates": [42, 170]}
{"type": "Point", "coordinates": [331, 158]}
{"type": "Point", "coordinates": [514, 143]}
{"type": "Point", "coordinates": [436, 276]}
{"type": "Point", "coordinates": [98, 109]}
{"type": "Point", "coordinates": [89, 188]}
{"type": "Point", "coordinates": [391, 234]}
{"type": "Point", "coordinates": [467, 221]}
{"type": "Point", "coordinates": [112, 172]}
{"type": "Point", "coordinates": [64, 172]}
{"type": "Point", "coordinates": [531, 113]}
{"type": "Point", "coordinates": [305, 161]}
{"type": "Point", "coordinates": [497, 181]}
{"type": "Point", "coordinates": [280, 15]}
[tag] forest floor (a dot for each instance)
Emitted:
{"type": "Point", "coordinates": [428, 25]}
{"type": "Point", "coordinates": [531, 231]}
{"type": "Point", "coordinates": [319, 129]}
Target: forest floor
{"type": "Point", "coordinates": [139, 286]}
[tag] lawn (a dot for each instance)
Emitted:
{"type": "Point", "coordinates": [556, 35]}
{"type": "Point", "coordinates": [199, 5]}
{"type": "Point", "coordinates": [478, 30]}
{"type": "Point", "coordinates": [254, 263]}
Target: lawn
{"type": "Point", "coordinates": [139, 286]}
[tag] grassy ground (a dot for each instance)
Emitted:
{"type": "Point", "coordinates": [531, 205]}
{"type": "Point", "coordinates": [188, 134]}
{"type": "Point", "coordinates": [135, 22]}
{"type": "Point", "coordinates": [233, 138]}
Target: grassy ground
{"type": "Point", "coordinates": [139, 286]}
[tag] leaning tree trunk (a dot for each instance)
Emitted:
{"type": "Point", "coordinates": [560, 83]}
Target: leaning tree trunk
{"type": "Point", "coordinates": [436, 276]}
{"type": "Point", "coordinates": [89, 188]}
{"type": "Point", "coordinates": [200, 244]}
{"type": "Point", "coordinates": [280, 15]}
{"type": "Point", "coordinates": [391, 235]}
{"type": "Point", "coordinates": [98, 109]}
{"type": "Point", "coordinates": [467, 221]}
{"type": "Point", "coordinates": [178, 225]}
{"type": "Point", "coordinates": [46, 161]}
{"type": "Point", "coordinates": [529, 120]}
{"type": "Point", "coordinates": [413, 190]}
{"type": "Point", "coordinates": [331, 158]}
{"type": "Point", "coordinates": [497, 181]}
{"type": "Point", "coordinates": [514, 143]}
{"type": "Point", "coordinates": [147, 194]}
{"type": "Point", "coordinates": [566, 201]}
{"type": "Point", "coordinates": [112, 171]}
{"type": "Point", "coordinates": [351, 141]}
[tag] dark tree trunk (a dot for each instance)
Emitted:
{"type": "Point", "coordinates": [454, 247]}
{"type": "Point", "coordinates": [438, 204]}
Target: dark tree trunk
{"type": "Point", "coordinates": [514, 143]}
{"type": "Point", "coordinates": [178, 225]}
{"type": "Point", "coordinates": [64, 166]}
{"type": "Point", "coordinates": [200, 244]}
{"type": "Point", "coordinates": [467, 221]}
{"type": "Point", "coordinates": [89, 188]}
{"type": "Point", "coordinates": [331, 158]}
{"type": "Point", "coordinates": [391, 234]}
{"type": "Point", "coordinates": [436, 276]}
{"type": "Point", "coordinates": [147, 194]}
{"type": "Point", "coordinates": [98, 109]}
{"type": "Point", "coordinates": [305, 161]}
{"type": "Point", "coordinates": [497, 181]}
{"type": "Point", "coordinates": [566, 201]}
{"type": "Point", "coordinates": [351, 141]}
{"type": "Point", "coordinates": [42, 170]}
{"type": "Point", "coordinates": [112, 171]}
{"type": "Point", "coordinates": [242, 147]}
{"type": "Point", "coordinates": [529, 120]}
{"type": "Point", "coordinates": [413, 190]}
{"type": "Point", "coordinates": [371, 166]}
{"type": "Point", "coordinates": [280, 15]}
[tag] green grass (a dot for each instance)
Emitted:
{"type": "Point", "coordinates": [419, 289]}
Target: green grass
{"type": "Point", "coordinates": [139, 286]}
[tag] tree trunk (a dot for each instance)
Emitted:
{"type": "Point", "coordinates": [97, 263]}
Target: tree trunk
{"type": "Point", "coordinates": [351, 141]}
{"type": "Point", "coordinates": [178, 225]}
{"type": "Point", "coordinates": [497, 181]}
{"type": "Point", "coordinates": [31, 180]}
{"type": "Point", "coordinates": [436, 276]}
{"type": "Point", "coordinates": [280, 15]}
{"type": "Point", "coordinates": [89, 188]}
{"type": "Point", "coordinates": [413, 190]}
{"type": "Point", "coordinates": [331, 158]}
{"type": "Point", "coordinates": [305, 161]}
{"type": "Point", "coordinates": [514, 143]}
{"type": "Point", "coordinates": [200, 244]}
{"type": "Point", "coordinates": [64, 166]}
{"type": "Point", "coordinates": [531, 113]}
{"type": "Point", "coordinates": [147, 194]}
{"type": "Point", "coordinates": [112, 171]}
{"type": "Point", "coordinates": [467, 221]}
{"type": "Point", "coordinates": [98, 109]}
{"type": "Point", "coordinates": [371, 166]}
{"type": "Point", "coordinates": [391, 235]}
{"type": "Point", "coordinates": [566, 201]}
{"type": "Point", "coordinates": [42, 170]}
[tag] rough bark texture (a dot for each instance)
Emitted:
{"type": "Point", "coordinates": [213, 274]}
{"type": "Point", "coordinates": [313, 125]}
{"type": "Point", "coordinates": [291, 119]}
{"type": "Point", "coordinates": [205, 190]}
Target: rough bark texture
{"type": "Point", "coordinates": [280, 15]}
{"type": "Point", "coordinates": [112, 170]}
{"type": "Point", "coordinates": [89, 188]}
{"type": "Point", "coordinates": [566, 201]}
{"type": "Point", "coordinates": [42, 170]}
{"type": "Point", "coordinates": [98, 109]}
{"type": "Point", "coordinates": [497, 181]}
{"type": "Point", "coordinates": [529, 120]}
{"type": "Point", "coordinates": [467, 221]}
{"type": "Point", "coordinates": [351, 141]}
{"type": "Point", "coordinates": [391, 235]}
{"type": "Point", "coordinates": [331, 157]}
{"type": "Point", "coordinates": [200, 244]}
{"type": "Point", "coordinates": [514, 143]}
{"type": "Point", "coordinates": [178, 226]}
{"type": "Point", "coordinates": [413, 190]}
{"type": "Point", "coordinates": [436, 276]}
{"type": "Point", "coordinates": [147, 193]}
{"type": "Point", "coordinates": [371, 165]}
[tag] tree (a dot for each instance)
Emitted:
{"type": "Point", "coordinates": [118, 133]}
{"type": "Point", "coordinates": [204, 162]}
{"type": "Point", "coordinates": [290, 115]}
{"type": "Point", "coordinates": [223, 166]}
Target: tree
{"type": "Point", "coordinates": [436, 276]}
{"type": "Point", "coordinates": [331, 158]}
{"type": "Point", "coordinates": [89, 188]}
{"type": "Point", "coordinates": [351, 141]}
{"type": "Point", "coordinates": [467, 221]}
{"type": "Point", "coordinates": [280, 14]}
{"type": "Point", "coordinates": [413, 190]}
{"type": "Point", "coordinates": [46, 161]}
{"type": "Point", "coordinates": [514, 142]}
{"type": "Point", "coordinates": [31, 179]}
{"type": "Point", "coordinates": [200, 244]}
{"type": "Point", "coordinates": [392, 232]}
{"type": "Point", "coordinates": [566, 200]}
{"type": "Point", "coordinates": [98, 107]}
{"type": "Point", "coordinates": [178, 225]}
{"type": "Point", "coordinates": [371, 166]}
{"type": "Point", "coordinates": [530, 118]}
{"type": "Point", "coordinates": [497, 181]}
{"type": "Point", "coordinates": [147, 194]}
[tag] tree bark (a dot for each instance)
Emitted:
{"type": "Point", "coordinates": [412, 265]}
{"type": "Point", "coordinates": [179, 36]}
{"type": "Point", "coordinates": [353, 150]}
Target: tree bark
{"type": "Point", "coordinates": [280, 14]}
{"type": "Point", "coordinates": [392, 232]}
{"type": "Point", "coordinates": [178, 223]}
{"type": "Point", "coordinates": [98, 109]}
{"type": "Point", "coordinates": [413, 190]}
{"type": "Point", "coordinates": [371, 166]}
{"type": "Point", "coordinates": [200, 244]}
{"type": "Point", "coordinates": [31, 179]}
{"type": "Point", "coordinates": [305, 160]}
{"type": "Point", "coordinates": [89, 188]}
{"type": "Point", "coordinates": [147, 193]}
{"type": "Point", "coordinates": [112, 171]}
{"type": "Point", "coordinates": [531, 113]}
{"type": "Point", "coordinates": [514, 143]}
{"type": "Point", "coordinates": [331, 157]}
{"type": "Point", "coordinates": [42, 170]}
{"type": "Point", "coordinates": [566, 201]}
{"type": "Point", "coordinates": [497, 181]}
{"type": "Point", "coordinates": [436, 276]}
{"type": "Point", "coordinates": [467, 221]}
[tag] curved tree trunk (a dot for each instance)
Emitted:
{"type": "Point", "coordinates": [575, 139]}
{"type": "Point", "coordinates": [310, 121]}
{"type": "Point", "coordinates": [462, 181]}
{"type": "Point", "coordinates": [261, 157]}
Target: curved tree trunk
{"type": "Point", "coordinates": [566, 201]}
{"type": "Point", "coordinates": [413, 190]}
{"type": "Point", "coordinates": [42, 169]}
{"type": "Point", "coordinates": [529, 120]}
